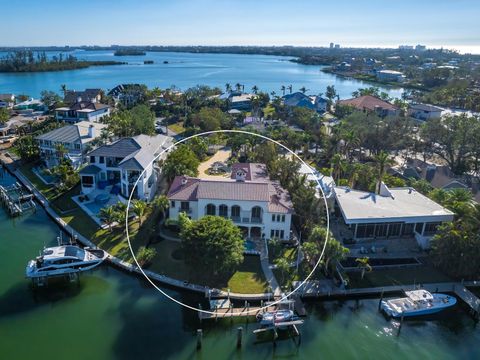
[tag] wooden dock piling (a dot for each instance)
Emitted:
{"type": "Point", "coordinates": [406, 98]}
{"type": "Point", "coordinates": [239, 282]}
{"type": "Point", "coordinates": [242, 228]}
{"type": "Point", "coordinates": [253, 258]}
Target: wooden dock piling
{"type": "Point", "coordinates": [239, 337]}
{"type": "Point", "coordinates": [199, 338]}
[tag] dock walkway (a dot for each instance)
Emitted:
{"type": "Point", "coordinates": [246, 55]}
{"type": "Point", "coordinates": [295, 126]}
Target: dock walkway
{"type": "Point", "coordinates": [319, 289]}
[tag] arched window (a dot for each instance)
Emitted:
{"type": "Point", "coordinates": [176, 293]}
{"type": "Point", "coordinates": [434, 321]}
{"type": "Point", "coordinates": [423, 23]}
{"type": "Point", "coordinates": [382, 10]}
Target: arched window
{"type": "Point", "coordinates": [223, 210]}
{"type": "Point", "coordinates": [211, 209]}
{"type": "Point", "coordinates": [257, 214]}
{"type": "Point", "coordinates": [235, 212]}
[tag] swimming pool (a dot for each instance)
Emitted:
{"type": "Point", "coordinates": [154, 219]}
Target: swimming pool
{"type": "Point", "coordinates": [94, 207]}
{"type": "Point", "coordinates": [249, 245]}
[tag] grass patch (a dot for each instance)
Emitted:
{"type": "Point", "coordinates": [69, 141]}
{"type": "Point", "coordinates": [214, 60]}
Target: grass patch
{"type": "Point", "coordinates": [405, 276]}
{"type": "Point", "coordinates": [177, 127]}
{"type": "Point", "coordinates": [49, 191]}
{"type": "Point", "coordinates": [249, 278]}
{"type": "Point", "coordinates": [268, 110]}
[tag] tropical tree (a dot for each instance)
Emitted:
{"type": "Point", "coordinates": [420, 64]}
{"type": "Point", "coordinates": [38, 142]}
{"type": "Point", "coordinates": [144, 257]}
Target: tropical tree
{"type": "Point", "coordinates": [363, 265]}
{"type": "Point", "coordinates": [139, 208]}
{"type": "Point", "coordinates": [4, 115]}
{"type": "Point", "coordinates": [238, 86]}
{"type": "Point", "coordinates": [290, 88]}
{"type": "Point", "coordinates": [181, 161]}
{"type": "Point", "coordinates": [145, 255]}
{"type": "Point", "coordinates": [63, 89]}
{"type": "Point", "coordinates": [161, 202]}
{"type": "Point", "coordinates": [330, 94]}
{"type": "Point", "coordinates": [228, 87]}
{"type": "Point", "coordinates": [303, 89]}
{"type": "Point", "coordinates": [108, 216]}
{"type": "Point", "coordinates": [382, 161]}
{"type": "Point", "coordinates": [283, 266]}
{"type": "Point", "coordinates": [282, 89]}
{"type": "Point", "coordinates": [334, 250]}
{"type": "Point", "coordinates": [255, 89]}
{"type": "Point", "coordinates": [214, 243]}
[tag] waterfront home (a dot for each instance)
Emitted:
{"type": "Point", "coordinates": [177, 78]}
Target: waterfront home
{"type": "Point", "coordinates": [237, 100]}
{"type": "Point", "coordinates": [128, 94]}
{"type": "Point", "coordinates": [121, 163]}
{"type": "Point", "coordinates": [82, 111]}
{"type": "Point", "coordinates": [256, 204]}
{"type": "Point", "coordinates": [299, 99]}
{"type": "Point", "coordinates": [424, 112]}
{"type": "Point", "coordinates": [326, 183]}
{"type": "Point", "coordinates": [7, 100]}
{"type": "Point", "coordinates": [75, 141]}
{"type": "Point", "coordinates": [390, 76]}
{"type": "Point", "coordinates": [368, 103]}
{"type": "Point", "coordinates": [20, 124]}
{"type": "Point", "coordinates": [392, 214]}
{"type": "Point", "coordinates": [89, 95]}
{"type": "Point", "coordinates": [30, 105]}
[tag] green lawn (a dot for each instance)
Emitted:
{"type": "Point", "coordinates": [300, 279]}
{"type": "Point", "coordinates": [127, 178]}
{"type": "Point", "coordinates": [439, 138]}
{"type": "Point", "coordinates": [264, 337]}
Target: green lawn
{"type": "Point", "coordinates": [177, 127]}
{"type": "Point", "coordinates": [249, 278]}
{"type": "Point", "coordinates": [49, 191]}
{"type": "Point", "coordinates": [405, 276]}
{"type": "Point", "coordinates": [268, 110]}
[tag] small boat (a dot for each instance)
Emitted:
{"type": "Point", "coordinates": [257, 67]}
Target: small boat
{"type": "Point", "coordinates": [275, 317]}
{"type": "Point", "coordinates": [63, 260]}
{"type": "Point", "coordinates": [417, 303]}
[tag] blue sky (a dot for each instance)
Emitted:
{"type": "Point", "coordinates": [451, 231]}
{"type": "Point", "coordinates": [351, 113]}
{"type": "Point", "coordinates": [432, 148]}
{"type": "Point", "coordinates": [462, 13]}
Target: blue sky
{"type": "Point", "coordinates": [449, 23]}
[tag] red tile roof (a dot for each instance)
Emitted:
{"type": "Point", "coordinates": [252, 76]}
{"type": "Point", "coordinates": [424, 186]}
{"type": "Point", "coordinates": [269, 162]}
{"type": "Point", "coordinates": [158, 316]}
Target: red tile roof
{"type": "Point", "coordinates": [368, 102]}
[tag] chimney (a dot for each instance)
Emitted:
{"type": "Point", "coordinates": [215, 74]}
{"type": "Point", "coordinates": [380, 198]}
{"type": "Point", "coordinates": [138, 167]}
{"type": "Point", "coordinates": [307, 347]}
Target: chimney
{"type": "Point", "coordinates": [91, 131]}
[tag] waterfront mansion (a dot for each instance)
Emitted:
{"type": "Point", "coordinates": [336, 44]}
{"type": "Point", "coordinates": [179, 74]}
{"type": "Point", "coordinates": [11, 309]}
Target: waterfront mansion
{"type": "Point", "coordinates": [258, 205]}
{"type": "Point", "coordinates": [116, 167]}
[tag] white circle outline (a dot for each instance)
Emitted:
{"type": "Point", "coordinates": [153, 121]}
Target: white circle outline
{"type": "Point", "coordinates": [238, 132]}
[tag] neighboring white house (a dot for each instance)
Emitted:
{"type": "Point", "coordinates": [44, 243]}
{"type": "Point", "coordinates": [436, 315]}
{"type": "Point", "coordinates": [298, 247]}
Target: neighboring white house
{"type": "Point", "coordinates": [394, 213]}
{"type": "Point", "coordinates": [121, 164]}
{"type": "Point", "coordinates": [256, 204]}
{"type": "Point", "coordinates": [83, 110]}
{"type": "Point", "coordinates": [74, 138]}
{"type": "Point", "coordinates": [7, 100]}
{"type": "Point", "coordinates": [390, 75]}
{"type": "Point", "coordinates": [326, 183]}
{"type": "Point", "coordinates": [424, 112]}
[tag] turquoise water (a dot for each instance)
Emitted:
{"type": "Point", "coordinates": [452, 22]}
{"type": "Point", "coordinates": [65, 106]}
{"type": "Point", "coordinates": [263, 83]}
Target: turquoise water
{"type": "Point", "coordinates": [184, 70]}
{"type": "Point", "coordinates": [112, 315]}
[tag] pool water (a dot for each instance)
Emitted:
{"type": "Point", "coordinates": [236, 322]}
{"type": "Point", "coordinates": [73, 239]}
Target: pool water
{"type": "Point", "coordinates": [249, 245]}
{"type": "Point", "coordinates": [95, 207]}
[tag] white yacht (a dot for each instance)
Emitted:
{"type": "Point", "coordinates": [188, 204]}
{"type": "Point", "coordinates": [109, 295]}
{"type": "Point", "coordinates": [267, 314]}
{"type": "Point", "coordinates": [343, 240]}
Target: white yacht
{"type": "Point", "coordinates": [63, 260]}
{"type": "Point", "coordinates": [275, 317]}
{"type": "Point", "coordinates": [416, 303]}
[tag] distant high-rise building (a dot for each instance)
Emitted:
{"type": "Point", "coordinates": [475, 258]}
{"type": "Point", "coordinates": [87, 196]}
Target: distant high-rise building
{"type": "Point", "coordinates": [337, 46]}
{"type": "Point", "coordinates": [420, 47]}
{"type": "Point", "coordinates": [331, 45]}
{"type": "Point", "coordinates": [405, 47]}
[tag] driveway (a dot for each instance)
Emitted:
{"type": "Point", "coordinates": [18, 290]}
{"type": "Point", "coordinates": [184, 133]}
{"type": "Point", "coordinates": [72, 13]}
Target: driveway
{"type": "Point", "coordinates": [221, 155]}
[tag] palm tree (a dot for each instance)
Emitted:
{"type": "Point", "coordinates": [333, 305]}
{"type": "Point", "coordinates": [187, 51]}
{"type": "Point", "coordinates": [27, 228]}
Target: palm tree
{"type": "Point", "coordinates": [228, 87]}
{"type": "Point", "coordinates": [273, 93]}
{"type": "Point", "coordinates": [363, 264]}
{"type": "Point", "coordinates": [63, 89]}
{"type": "Point", "coordinates": [290, 88]}
{"type": "Point", "coordinates": [283, 265]}
{"type": "Point", "coordinates": [338, 164]}
{"type": "Point", "coordinates": [351, 141]}
{"type": "Point", "coordinates": [139, 208]}
{"type": "Point", "coordinates": [108, 216]}
{"type": "Point", "coordinates": [161, 202]}
{"type": "Point", "coordinates": [238, 86]}
{"type": "Point", "coordinates": [303, 89]}
{"type": "Point", "coordinates": [60, 150]}
{"type": "Point", "coordinates": [282, 89]}
{"type": "Point", "coordinates": [382, 160]}
{"type": "Point", "coordinates": [255, 89]}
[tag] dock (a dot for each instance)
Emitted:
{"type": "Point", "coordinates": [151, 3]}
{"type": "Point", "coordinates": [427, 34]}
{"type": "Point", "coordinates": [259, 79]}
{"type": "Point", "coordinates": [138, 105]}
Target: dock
{"type": "Point", "coordinates": [316, 289]}
{"type": "Point", "coordinates": [231, 312]}
{"type": "Point", "coordinates": [16, 200]}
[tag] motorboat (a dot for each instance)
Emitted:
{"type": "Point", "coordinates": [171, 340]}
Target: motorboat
{"type": "Point", "coordinates": [275, 317]}
{"type": "Point", "coordinates": [64, 260]}
{"type": "Point", "coordinates": [417, 303]}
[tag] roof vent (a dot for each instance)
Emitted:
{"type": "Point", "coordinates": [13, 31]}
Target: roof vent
{"type": "Point", "coordinates": [184, 180]}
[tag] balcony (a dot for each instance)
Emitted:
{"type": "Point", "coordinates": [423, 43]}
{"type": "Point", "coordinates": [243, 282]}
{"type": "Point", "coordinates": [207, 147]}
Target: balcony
{"type": "Point", "coordinates": [246, 220]}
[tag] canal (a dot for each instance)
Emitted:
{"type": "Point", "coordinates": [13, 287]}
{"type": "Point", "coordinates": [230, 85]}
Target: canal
{"type": "Point", "coordinates": [112, 315]}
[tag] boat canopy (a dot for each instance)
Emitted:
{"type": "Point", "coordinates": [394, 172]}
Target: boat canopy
{"type": "Point", "coordinates": [419, 295]}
